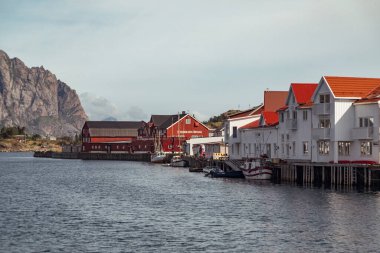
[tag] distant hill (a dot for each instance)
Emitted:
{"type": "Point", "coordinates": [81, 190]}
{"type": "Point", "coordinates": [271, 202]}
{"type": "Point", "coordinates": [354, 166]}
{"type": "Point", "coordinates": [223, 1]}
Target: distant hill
{"type": "Point", "coordinates": [217, 121]}
{"type": "Point", "coordinates": [109, 118]}
{"type": "Point", "coordinates": [35, 99]}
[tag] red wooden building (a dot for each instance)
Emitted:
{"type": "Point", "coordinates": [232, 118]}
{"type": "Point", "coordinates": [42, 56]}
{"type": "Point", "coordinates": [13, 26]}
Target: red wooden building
{"type": "Point", "coordinates": [111, 136]}
{"type": "Point", "coordinates": [170, 132]}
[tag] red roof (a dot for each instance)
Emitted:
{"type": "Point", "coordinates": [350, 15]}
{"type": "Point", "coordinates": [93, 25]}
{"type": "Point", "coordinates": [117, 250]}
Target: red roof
{"type": "Point", "coordinates": [253, 124]}
{"type": "Point", "coordinates": [306, 105]}
{"type": "Point", "coordinates": [303, 91]}
{"type": "Point", "coordinates": [283, 108]}
{"type": "Point", "coordinates": [273, 100]}
{"type": "Point", "coordinates": [270, 118]}
{"type": "Point", "coordinates": [351, 86]}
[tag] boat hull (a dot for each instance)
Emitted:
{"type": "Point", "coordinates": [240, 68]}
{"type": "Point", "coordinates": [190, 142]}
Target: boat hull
{"type": "Point", "coordinates": [258, 173]}
{"type": "Point", "coordinates": [181, 163]}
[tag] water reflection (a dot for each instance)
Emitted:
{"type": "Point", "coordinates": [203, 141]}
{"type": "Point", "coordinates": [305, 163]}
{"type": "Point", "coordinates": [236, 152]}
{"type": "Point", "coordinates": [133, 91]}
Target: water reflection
{"type": "Point", "coordinates": [103, 206]}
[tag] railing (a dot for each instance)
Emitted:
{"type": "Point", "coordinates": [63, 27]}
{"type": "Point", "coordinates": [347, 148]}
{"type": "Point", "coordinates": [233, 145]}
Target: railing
{"type": "Point", "coordinates": [362, 133]}
{"type": "Point", "coordinates": [291, 124]}
{"type": "Point", "coordinates": [320, 133]}
{"type": "Point", "coordinates": [321, 109]}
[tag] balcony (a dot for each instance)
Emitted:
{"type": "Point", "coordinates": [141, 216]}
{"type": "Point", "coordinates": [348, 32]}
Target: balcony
{"type": "Point", "coordinates": [321, 133]}
{"type": "Point", "coordinates": [321, 109]}
{"type": "Point", "coordinates": [291, 124]}
{"type": "Point", "coordinates": [362, 133]}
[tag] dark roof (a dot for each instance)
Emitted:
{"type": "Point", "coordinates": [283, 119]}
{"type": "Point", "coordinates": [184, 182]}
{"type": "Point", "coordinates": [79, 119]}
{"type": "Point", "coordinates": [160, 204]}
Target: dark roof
{"type": "Point", "coordinates": [115, 124]}
{"type": "Point", "coordinates": [164, 121]}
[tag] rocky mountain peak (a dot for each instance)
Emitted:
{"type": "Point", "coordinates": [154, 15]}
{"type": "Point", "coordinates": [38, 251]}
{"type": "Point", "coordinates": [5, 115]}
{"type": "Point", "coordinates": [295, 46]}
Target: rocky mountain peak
{"type": "Point", "coordinates": [35, 99]}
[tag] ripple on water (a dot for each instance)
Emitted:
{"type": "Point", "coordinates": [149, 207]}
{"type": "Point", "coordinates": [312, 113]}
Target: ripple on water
{"type": "Point", "coordinates": [104, 206]}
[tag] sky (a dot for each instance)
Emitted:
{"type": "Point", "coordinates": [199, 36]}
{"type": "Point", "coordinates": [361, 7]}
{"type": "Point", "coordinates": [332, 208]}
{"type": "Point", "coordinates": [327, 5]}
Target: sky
{"type": "Point", "coordinates": [130, 59]}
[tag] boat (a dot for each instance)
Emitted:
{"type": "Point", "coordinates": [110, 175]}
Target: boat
{"type": "Point", "coordinates": [257, 169]}
{"type": "Point", "coordinates": [208, 169]}
{"type": "Point", "coordinates": [218, 172]}
{"type": "Point", "coordinates": [158, 157]}
{"type": "Point", "coordinates": [178, 161]}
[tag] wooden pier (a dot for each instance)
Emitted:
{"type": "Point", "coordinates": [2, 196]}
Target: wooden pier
{"type": "Point", "coordinates": [328, 175]}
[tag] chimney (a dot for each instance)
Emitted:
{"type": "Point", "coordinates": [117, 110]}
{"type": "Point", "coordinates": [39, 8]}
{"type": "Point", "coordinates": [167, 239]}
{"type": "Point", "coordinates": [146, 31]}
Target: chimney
{"type": "Point", "coordinates": [183, 112]}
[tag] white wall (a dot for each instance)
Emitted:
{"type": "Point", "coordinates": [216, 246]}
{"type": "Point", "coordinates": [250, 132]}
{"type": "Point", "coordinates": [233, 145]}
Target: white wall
{"type": "Point", "coordinates": [235, 148]}
{"type": "Point", "coordinates": [259, 138]}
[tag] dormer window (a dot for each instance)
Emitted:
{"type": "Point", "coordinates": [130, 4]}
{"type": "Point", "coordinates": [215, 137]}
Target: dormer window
{"type": "Point", "coordinates": [324, 98]}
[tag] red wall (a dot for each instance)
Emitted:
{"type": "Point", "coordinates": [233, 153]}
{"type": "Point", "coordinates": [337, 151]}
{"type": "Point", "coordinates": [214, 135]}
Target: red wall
{"type": "Point", "coordinates": [186, 131]}
{"type": "Point", "coordinates": [110, 139]}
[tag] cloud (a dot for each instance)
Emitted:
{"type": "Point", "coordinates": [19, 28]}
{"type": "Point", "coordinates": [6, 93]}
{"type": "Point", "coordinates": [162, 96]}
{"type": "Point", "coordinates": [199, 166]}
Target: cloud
{"type": "Point", "coordinates": [99, 108]}
{"type": "Point", "coordinates": [162, 56]}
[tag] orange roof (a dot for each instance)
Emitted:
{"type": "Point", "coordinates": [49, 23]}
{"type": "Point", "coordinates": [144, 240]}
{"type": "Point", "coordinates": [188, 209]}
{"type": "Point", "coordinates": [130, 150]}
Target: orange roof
{"type": "Point", "coordinates": [357, 87]}
{"type": "Point", "coordinates": [303, 91]}
{"type": "Point", "coordinates": [253, 124]}
{"type": "Point", "coordinates": [250, 112]}
{"type": "Point", "coordinates": [273, 100]}
{"type": "Point", "coordinates": [270, 118]}
{"type": "Point", "coordinates": [372, 97]}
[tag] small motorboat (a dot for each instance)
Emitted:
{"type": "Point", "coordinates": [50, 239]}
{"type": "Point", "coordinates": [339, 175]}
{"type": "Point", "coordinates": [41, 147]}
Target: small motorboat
{"type": "Point", "coordinates": [208, 169]}
{"type": "Point", "coordinates": [218, 172]}
{"type": "Point", "coordinates": [158, 157]}
{"type": "Point", "coordinates": [178, 161]}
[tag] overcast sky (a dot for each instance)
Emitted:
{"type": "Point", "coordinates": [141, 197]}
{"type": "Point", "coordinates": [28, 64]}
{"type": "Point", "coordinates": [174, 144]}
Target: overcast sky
{"type": "Point", "coordinates": [130, 59]}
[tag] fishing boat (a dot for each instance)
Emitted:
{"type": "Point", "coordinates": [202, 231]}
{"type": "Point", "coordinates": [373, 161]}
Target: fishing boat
{"type": "Point", "coordinates": [158, 157]}
{"type": "Point", "coordinates": [218, 172]}
{"type": "Point", "coordinates": [178, 161]}
{"type": "Point", "coordinates": [257, 169]}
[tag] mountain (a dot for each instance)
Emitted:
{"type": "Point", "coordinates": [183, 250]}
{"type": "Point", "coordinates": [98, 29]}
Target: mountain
{"type": "Point", "coordinates": [217, 121]}
{"type": "Point", "coordinates": [35, 99]}
{"type": "Point", "coordinates": [109, 118]}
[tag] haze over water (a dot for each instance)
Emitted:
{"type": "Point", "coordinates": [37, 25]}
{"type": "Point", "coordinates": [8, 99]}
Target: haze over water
{"type": "Point", "coordinates": [103, 206]}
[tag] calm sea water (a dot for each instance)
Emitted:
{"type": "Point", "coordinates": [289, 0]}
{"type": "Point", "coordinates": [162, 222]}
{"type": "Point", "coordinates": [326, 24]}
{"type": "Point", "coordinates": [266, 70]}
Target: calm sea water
{"type": "Point", "coordinates": [49, 205]}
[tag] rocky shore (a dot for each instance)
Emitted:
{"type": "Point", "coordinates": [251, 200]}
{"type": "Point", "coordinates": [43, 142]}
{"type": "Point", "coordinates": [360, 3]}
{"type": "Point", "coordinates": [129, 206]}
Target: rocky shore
{"type": "Point", "coordinates": [11, 145]}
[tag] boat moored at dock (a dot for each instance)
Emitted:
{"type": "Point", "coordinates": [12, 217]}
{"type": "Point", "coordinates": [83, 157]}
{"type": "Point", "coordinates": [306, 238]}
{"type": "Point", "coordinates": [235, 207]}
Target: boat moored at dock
{"type": "Point", "coordinates": [257, 169]}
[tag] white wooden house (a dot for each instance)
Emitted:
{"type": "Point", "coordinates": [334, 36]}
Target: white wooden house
{"type": "Point", "coordinates": [339, 124]}
{"type": "Point", "coordinates": [260, 137]}
{"type": "Point", "coordinates": [295, 123]}
{"type": "Point", "coordinates": [232, 135]}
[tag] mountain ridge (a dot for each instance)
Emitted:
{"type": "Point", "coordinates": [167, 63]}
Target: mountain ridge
{"type": "Point", "coordinates": [35, 99]}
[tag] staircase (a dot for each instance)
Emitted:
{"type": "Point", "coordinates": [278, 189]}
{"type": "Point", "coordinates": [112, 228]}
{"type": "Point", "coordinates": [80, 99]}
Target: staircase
{"type": "Point", "coordinates": [234, 164]}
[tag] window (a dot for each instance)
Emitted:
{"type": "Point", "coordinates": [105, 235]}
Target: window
{"type": "Point", "coordinates": [250, 148]}
{"type": "Point", "coordinates": [234, 132]}
{"type": "Point", "coordinates": [281, 117]}
{"type": "Point", "coordinates": [344, 148]}
{"type": "Point", "coordinates": [282, 137]}
{"type": "Point", "coordinates": [287, 115]}
{"type": "Point", "coordinates": [304, 115]}
{"type": "Point", "coordinates": [268, 150]}
{"type": "Point", "coordinates": [255, 148]}
{"type": "Point", "coordinates": [294, 114]}
{"type": "Point", "coordinates": [294, 148]}
{"type": "Point", "coordinates": [188, 121]}
{"type": "Point", "coordinates": [282, 148]}
{"type": "Point", "coordinates": [305, 147]}
{"type": "Point", "coordinates": [287, 137]}
{"type": "Point", "coordinates": [366, 148]}
{"type": "Point", "coordinates": [275, 148]}
{"type": "Point", "coordinates": [323, 147]}
{"type": "Point", "coordinates": [287, 149]}
{"type": "Point", "coordinates": [324, 123]}
{"type": "Point", "coordinates": [324, 98]}
{"type": "Point", "coordinates": [366, 122]}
